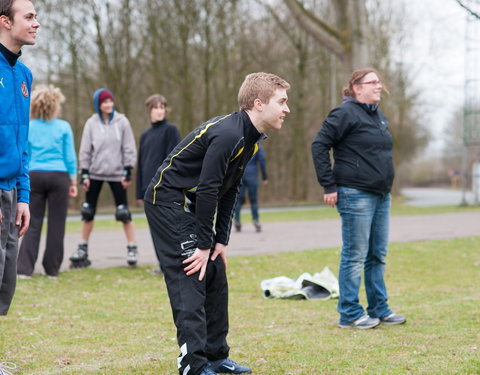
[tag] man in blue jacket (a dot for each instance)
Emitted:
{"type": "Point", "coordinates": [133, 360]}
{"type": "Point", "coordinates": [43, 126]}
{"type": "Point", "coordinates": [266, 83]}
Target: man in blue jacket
{"type": "Point", "coordinates": [18, 27]}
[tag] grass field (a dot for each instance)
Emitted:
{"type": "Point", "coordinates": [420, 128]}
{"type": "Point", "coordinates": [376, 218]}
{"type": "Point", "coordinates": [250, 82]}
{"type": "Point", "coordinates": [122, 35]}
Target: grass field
{"type": "Point", "coordinates": [118, 320]}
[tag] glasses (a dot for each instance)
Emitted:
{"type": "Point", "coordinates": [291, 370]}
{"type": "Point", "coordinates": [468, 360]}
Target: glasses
{"type": "Point", "coordinates": [374, 83]}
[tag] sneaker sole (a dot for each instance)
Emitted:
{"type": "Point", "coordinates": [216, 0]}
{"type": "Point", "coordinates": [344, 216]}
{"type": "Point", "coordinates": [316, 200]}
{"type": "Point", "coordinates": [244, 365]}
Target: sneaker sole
{"type": "Point", "coordinates": [357, 327]}
{"type": "Point", "coordinates": [23, 277]}
{"type": "Point", "coordinates": [393, 324]}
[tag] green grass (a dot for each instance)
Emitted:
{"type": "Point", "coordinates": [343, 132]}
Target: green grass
{"type": "Point", "coordinates": [320, 213]}
{"type": "Point", "coordinates": [118, 320]}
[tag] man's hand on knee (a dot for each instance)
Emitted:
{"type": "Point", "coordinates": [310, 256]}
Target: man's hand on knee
{"type": "Point", "coordinates": [198, 262]}
{"type": "Point", "coordinates": [220, 249]}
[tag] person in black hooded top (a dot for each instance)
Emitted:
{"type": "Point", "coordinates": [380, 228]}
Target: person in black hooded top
{"type": "Point", "coordinates": [359, 184]}
{"type": "Point", "coordinates": [155, 143]}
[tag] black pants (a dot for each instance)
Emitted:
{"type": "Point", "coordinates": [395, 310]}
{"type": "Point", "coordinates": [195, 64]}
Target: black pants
{"type": "Point", "coordinates": [46, 188]}
{"type": "Point", "coordinates": [200, 308]}
{"type": "Point", "coordinates": [119, 193]}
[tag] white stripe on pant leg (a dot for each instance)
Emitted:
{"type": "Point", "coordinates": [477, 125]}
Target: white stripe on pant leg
{"type": "Point", "coordinates": [183, 350]}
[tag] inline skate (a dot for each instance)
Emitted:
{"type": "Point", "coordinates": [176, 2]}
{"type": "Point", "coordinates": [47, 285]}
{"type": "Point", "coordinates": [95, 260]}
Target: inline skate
{"type": "Point", "coordinates": [79, 258]}
{"type": "Point", "coordinates": [132, 253]}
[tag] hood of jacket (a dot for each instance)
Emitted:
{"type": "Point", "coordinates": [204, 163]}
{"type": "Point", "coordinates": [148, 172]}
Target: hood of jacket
{"type": "Point", "coordinates": [369, 107]}
{"type": "Point", "coordinates": [96, 105]}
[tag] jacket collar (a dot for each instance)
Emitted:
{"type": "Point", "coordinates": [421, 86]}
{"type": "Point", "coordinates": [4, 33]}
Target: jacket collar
{"type": "Point", "coordinates": [159, 123]}
{"type": "Point", "coordinates": [368, 107]}
{"type": "Point", "coordinates": [252, 135]}
{"type": "Point", "coordinates": [9, 55]}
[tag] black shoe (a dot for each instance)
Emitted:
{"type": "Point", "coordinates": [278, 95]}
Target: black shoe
{"type": "Point", "coordinates": [258, 227]}
{"type": "Point", "coordinates": [238, 226]}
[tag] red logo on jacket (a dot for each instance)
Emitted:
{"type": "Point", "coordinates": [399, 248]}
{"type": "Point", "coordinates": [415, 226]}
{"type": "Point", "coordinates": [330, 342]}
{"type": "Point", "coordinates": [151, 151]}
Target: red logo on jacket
{"type": "Point", "coordinates": [24, 89]}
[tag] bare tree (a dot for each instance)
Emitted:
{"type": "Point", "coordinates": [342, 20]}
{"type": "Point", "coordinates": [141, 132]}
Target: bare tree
{"type": "Point", "coordinates": [345, 37]}
{"type": "Point", "coordinates": [469, 7]}
{"type": "Point", "coordinates": [198, 52]}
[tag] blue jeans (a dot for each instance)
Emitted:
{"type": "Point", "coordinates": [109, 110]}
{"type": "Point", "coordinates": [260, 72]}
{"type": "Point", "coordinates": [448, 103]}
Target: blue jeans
{"type": "Point", "coordinates": [251, 184]}
{"type": "Point", "coordinates": [365, 223]}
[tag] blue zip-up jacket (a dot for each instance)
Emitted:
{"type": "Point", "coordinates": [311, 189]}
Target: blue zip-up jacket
{"type": "Point", "coordinates": [15, 87]}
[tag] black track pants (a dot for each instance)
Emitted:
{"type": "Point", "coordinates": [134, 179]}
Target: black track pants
{"type": "Point", "coordinates": [200, 308]}
{"type": "Point", "coordinates": [49, 189]}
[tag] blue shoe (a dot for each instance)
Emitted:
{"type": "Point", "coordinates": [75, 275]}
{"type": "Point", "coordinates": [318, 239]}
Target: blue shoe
{"type": "Point", "coordinates": [231, 367]}
{"type": "Point", "coordinates": [208, 371]}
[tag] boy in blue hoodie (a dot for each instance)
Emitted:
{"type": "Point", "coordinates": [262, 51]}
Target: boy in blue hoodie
{"type": "Point", "coordinates": [18, 27]}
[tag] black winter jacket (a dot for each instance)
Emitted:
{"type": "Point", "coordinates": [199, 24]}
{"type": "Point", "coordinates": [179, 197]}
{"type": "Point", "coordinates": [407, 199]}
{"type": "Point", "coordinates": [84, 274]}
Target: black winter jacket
{"type": "Point", "coordinates": [155, 145]}
{"type": "Point", "coordinates": [362, 149]}
{"type": "Point", "coordinates": [203, 172]}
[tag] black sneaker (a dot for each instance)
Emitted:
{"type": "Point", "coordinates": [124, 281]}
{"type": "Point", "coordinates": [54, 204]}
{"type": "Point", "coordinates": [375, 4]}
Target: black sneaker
{"type": "Point", "coordinates": [258, 227]}
{"type": "Point", "coordinates": [365, 322]}
{"type": "Point", "coordinates": [393, 319]}
{"type": "Point", "coordinates": [231, 367]}
{"type": "Point", "coordinates": [238, 226]}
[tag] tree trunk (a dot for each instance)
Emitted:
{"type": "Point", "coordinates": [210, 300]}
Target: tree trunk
{"type": "Point", "coordinates": [346, 40]}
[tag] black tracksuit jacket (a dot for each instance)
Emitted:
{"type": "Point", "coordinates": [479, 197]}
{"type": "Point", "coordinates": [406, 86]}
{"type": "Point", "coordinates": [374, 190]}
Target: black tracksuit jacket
{"type": "Point", "coordinates": [362, 149]}
{"type": "Point", "coordinates": [203, 172]}
{"type": "Point", "coordinates": [155, 145]}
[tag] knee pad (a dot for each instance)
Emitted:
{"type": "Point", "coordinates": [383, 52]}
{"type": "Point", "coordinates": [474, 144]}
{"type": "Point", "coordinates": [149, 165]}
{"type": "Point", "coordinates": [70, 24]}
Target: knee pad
{"type": "Point", "coordinates": [123, 214]}
{"type": "Point", "coordinates": [87, 212]}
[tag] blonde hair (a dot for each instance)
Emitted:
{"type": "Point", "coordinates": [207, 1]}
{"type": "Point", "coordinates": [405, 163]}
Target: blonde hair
{"type": "Point", "coordinates": [259, 86]}
{"type": "Point", "coordinates": [356, 78]}
{"type": "Point", "coordinates": [46, 102]}
{"type": "Point", "coordinates": [154, 100]}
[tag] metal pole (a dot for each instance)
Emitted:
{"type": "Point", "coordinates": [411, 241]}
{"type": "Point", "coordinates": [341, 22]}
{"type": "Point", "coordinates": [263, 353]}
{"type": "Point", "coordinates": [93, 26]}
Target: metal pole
{"type": "Point", "coordinates": [464, 175]}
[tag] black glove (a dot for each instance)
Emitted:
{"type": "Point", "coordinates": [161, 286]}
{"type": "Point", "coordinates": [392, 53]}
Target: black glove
{"type": "Point", "coordinates": [83, 176]}
{"type": "Point", "coordinates": [127, 173]}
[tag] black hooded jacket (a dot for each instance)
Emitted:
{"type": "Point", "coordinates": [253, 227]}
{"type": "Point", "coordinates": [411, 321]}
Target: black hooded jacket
{"type": "Point", "coordinates": [362, 149]}
{"type": "Point", "coordinates": [155, 145]}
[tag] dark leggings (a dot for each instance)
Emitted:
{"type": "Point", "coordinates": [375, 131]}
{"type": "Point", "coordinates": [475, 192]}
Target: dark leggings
{"type": "Point", "coordinates": [119, 193]}
{"type": "Point", "coordinates": [49, 190]}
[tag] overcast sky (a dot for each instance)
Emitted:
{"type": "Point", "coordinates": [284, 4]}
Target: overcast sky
{"type": "Point", "coordinates": [437, 57]}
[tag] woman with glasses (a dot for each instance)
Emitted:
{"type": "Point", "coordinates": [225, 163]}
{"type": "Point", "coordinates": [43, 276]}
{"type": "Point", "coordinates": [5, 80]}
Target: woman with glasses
{"type": "Point", "coordinates": [359, 184]}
